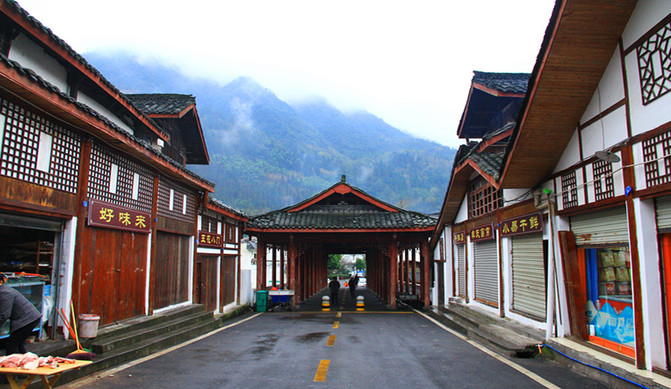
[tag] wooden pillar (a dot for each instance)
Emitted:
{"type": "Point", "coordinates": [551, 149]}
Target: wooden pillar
{"type": "Point", "coordinates": [393, 272]}
{"type": "Point", "coordinates": [283, 254]}
{"type": "Point", "coordinates": [261, 264]}
{"type": "Point", "coordinates": [293, 257]}
{"type": "Point", "coordinates": [406, 271]}
{"type": "Point", "coordinates": [426, 275]}
{"type": "Point", "coordinates": [414, 271]}
{"type": "Point", "coordinates": [79, 275]}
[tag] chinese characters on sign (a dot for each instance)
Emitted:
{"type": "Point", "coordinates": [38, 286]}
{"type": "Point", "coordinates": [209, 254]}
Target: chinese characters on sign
{"type": "Point", "coordinates": [485, 232]}
{"type": "Point", "coordinates": [207, 239]}
{"type": "Point", "coordinates": [459, 238]}
{"type": "Point", "coordinates": [114, 216]}
{"type": "Point", "coordinates": [525, 224]}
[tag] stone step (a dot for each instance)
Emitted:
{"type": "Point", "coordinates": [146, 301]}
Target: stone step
{"type": "Point", "coordinates": [141, 349]}
{"type": "Point", "coordinates": [136, 323]}
{"type": "Point", "coordinates": [119, 340]}
{"type": "Point", "coordinates": [494, 333]}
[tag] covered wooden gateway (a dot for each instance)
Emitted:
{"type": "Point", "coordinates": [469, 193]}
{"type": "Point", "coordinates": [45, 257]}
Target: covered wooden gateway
{"type": "Point", "coordinates": [344, 219]}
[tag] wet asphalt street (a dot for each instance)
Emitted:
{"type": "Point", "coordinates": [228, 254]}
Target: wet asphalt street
{"type": "Point", "coordinates": [322, 350]}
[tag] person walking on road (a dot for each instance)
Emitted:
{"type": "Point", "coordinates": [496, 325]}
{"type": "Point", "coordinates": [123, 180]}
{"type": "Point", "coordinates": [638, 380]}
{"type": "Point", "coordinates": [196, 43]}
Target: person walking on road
{"type": "Point", "coordinates": [334, 286]}
{"type": "Point", "coordinates": [353, 281]}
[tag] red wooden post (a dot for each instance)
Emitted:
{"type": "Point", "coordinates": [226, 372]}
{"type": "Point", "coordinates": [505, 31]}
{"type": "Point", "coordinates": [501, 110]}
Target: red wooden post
{"type": "Point", "coordinates": [274, 276]}
{"type": "Point", "coordinates": [414, 271]}
{"type": "Point", "coordinates": [261, 265]}
{"type": "Point", "coordinates": [426, 275]}
{"type": "Point", "coordinates": [393, 272]}
{"type": "Point", "coordinates": [283, 253]}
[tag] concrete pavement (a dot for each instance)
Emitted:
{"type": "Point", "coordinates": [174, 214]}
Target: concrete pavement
{"type": "Point", "coordinates": [354, 350]}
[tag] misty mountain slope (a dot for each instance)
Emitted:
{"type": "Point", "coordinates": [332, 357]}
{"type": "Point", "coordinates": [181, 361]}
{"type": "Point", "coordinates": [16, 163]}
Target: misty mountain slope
{"type": "Point", "coordinates": [266, 154]}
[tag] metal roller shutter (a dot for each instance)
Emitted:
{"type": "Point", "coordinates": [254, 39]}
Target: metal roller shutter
{"type": "Point", "coordinates": [528, 275]}
{"type": "Point", "coordinates": [20, 221]}
{"type": "Point", "coordinates": [663, 205]}
{"type": "Point", "coordinates": [461, 269]}
{"type": "Point", "coordinates": [601, 227]}
{"type": "Point", "coordinates": [486, 267]}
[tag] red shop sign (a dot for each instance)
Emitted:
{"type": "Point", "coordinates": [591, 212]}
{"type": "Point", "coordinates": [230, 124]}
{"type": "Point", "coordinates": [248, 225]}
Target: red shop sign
{"type": "Point", "coordinates": [520, 225]}
{"type": "Point", "coordinates": [459, 237]}
{"type": "Point", "coordinates": [485, 232]}
{"type": "Point", "coordinates": [107, 215]}
{"type": "Point", "coordinates": [208, 239]}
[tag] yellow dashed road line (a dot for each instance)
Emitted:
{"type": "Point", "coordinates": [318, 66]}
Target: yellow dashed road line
{"type": "Point", "coordinates": [323, 368]}
{"type": "Point", "coordinates": [336, 324]}
{"type": "Point", "coordinates": [331, 340]}
{"type": "Point", "coordinates": [339, 314]}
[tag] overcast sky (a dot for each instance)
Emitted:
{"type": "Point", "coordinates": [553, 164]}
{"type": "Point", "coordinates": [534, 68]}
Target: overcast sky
{"type": "Point", "coordinates": [408, 62]}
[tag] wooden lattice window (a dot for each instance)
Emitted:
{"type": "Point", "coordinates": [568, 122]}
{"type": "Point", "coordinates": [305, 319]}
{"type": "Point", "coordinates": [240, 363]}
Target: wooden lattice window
{"type": "Point", "coordinates": [654, 64]}
{"type": "Point", "coordinates": [176, 201]}
{"type": "Point", "coordinates": [208, 224]}
{"type": "Point", "coordinates": [569, 189]}
{"type": "Point", "coordinates": [135, 183]}
{"type": "Point", "coordinates": [603, 180]}
{"type": "Point", "coordinates": [20, 148]}
{"type": "Point", "coordinates": [657, 155]}
{"type": "Point", "coordinates": [230, 233]}
{"type": "Point", "coordinates": [483, 198]}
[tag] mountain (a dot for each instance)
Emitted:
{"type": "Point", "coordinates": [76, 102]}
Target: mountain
{"type": "Point", "coordinates": [266, 154]}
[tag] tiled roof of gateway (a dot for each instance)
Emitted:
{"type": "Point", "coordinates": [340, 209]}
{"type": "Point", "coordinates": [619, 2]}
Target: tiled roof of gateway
{"type": "Point", "coordinates": [363, 213]}
{"type": "Point", "coordinates": [342, 216]}
{"type": "Point", "coordinates": [503, 82]}
{"type": "Point", "coordinates": [161, 103]}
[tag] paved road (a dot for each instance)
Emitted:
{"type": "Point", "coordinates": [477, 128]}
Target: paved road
{"type": "Point", "coordinates": [363, 350]}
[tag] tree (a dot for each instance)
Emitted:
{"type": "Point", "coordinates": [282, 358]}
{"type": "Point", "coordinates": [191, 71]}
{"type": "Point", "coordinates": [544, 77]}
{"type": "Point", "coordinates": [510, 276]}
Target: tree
{"type": "Point", "coordinates": [360, 264]}
{"type": "Point", "coordinates": [334, 265]}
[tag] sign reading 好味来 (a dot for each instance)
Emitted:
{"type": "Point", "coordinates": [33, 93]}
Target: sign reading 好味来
{"type": "Point", "coordinates": [107, 215]}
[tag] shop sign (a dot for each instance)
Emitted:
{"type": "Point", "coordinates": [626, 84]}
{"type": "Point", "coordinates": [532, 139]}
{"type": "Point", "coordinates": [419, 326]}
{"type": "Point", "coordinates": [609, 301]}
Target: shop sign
{"type": "Point", "coordinates": [520, 225]}
{"type": "Point", "coordinates": [208, 239]}
{"type": "Point", "coordinates": [480, 233]}
{"type": "Point", "coordinates": [107, 215]}
{"type": "Point", "coordinates": [459, 237]}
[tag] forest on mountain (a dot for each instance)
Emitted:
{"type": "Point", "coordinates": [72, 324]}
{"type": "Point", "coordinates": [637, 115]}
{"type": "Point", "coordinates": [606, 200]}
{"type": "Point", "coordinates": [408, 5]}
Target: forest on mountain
{"type": "Point", "coordinates": [266, 154]}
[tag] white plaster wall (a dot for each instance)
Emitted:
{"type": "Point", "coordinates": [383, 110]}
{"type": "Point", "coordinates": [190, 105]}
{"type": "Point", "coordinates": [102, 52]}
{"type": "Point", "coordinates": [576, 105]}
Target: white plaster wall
{"type": "Point", "coordinates": [604, 133]}
{"type": "Point", "coordinates": [571, 154]}
{"type": "Point", "coordinates": [646, 14]}
{"type": "Point", "coordinates": [639, 170]}
{"type": "Point", "coordinates": [470, 279]}
{"type": "Point", "coordinates": [66, 270]}
{"type": "Point", "coordinates": [580, 181]}
{"type": "Point", "coordinates": [88, 100]}
{"type": "Point", "coordinates": [507, 274]}
{"type": "Point", "coordinates": [609, 91]}
{"type": "Point", "coordinates": [644, 118]}
{"type": "Point", "coordinates": [448, 264]}
{"type": "Point", "coordinates": [516, 195]}
{"type": "Point", "coordinates": [651, 298]}
{"type": "Point", "coordinates": [462, 215]}
{"type": "Point", "coordinates": [618, 177]}
{"type": "Point", "coordinates": [30, 55]}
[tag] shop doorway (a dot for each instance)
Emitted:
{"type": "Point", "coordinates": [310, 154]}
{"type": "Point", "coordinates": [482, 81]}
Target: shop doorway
{"type": "Point", "coordinates": [606, 276]}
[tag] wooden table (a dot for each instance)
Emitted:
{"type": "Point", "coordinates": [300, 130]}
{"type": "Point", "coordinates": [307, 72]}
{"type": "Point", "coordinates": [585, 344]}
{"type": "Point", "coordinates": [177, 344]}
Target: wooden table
{"type": "Point", "coordinates": [41, 372]}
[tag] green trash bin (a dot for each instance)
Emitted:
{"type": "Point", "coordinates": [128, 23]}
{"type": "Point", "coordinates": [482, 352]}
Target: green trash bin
{"type": "Point", "coordinates": [261, 300]}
